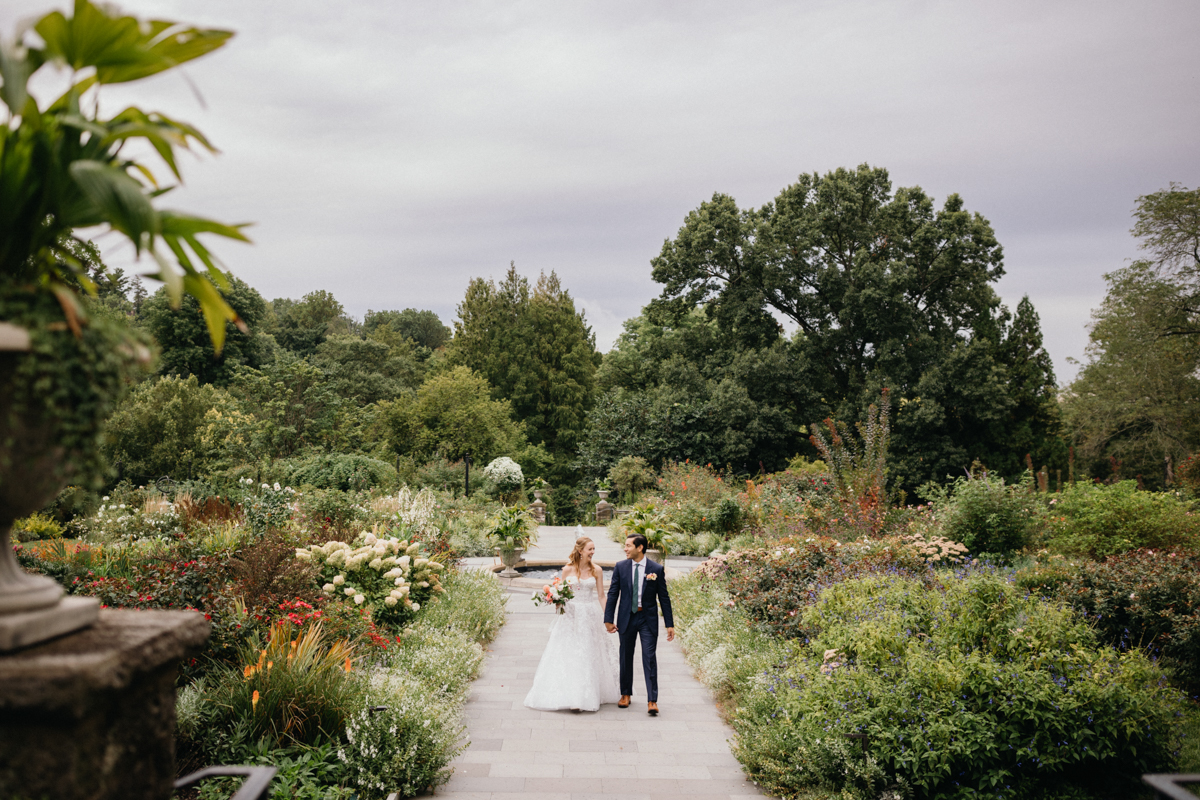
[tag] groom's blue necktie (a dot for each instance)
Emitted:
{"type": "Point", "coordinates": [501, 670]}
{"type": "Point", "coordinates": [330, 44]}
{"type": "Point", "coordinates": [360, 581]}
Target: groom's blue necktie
{"type": "Point", "coordinates": [637, 593]}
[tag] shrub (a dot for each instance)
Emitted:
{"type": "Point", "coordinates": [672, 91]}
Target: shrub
{"type": "Point", "coordinates": [1099, 520]}
{"type": "Point", "coordinates": [963, 688]}
{"type": "Point", "coordinates": [440, 473]}
{"type": "Point", "coordinates": [344, 471]}
{"type": "Point", "coordinates": [289, 691]}
{"type": "Point", "coordinates": [35, 527]}
{"type": "Point", "coordinates": [505, 475]}
{"type": "Point", "coordinates": [267, 507]}
{"type": "Point", "coordinates": [333, 512]}
{"type": "Point", "coordinates": [444, 660]}
{"type": "Point", "coordinates": [1144, 599]}
{"type": "Point", "coordinates": [408, 745]}
{"type": "Point", "coordinates": [388, 576]}
{"type": "Point", "coordinates": [987, 515]}
{"type": "Point", "coordinates": [631, 475]}
{"type": "Point", "coordinates": [473, 603]}
{"type": "Point", "coordinates": [773, 585]}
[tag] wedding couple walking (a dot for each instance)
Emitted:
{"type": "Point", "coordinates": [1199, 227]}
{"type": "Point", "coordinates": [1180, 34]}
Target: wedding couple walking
{"type": "Point", "coordinates": [582, 667]}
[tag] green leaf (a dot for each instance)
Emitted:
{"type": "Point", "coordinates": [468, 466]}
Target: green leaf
{"type": "Point", "coordinates": [122, 48]}
{"type": "Point", "coordinates": [17, 63]}
{"type": "Point", "coordinates": [116, 199]}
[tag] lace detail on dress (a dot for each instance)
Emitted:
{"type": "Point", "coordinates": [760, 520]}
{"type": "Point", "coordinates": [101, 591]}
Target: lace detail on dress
{"type": "Point", "coordinates": [580, 665]}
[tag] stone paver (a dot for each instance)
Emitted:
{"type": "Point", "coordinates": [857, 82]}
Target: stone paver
{"type": "Point", "coordinates": [611, 754]}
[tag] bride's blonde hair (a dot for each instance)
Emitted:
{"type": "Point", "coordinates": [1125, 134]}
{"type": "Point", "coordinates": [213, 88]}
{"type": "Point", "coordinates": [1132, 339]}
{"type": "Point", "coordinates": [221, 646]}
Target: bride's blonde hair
{"type": "Point", "coordinates": [576, 557]}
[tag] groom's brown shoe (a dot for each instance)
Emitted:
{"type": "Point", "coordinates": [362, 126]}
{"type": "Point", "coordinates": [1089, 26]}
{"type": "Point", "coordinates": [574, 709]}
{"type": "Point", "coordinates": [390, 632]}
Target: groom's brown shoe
{"type": "Point", "coordinates": [652, 708]}
{"type": "Point", "coordinates": [624, 701]}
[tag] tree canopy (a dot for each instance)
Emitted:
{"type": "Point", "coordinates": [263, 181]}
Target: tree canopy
{"type": "Point", "coordinates": [537, 351]}
{"type": "Point", "coordinates": [885, 291]}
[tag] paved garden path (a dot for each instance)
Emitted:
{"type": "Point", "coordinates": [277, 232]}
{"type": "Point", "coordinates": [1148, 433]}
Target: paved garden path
{"type": "Point", "coordinates": [613, 753]}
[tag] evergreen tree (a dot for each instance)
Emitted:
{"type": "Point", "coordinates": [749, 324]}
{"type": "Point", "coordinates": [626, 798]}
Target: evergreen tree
{"type": "Point", "coordinates": [537, 352]}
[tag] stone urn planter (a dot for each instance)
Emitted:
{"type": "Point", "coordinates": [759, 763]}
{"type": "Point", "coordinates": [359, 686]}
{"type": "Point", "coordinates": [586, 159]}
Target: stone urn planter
{"type": "Point", "coordinates": [656, 556]}
{"type": "Point", "coordinates": [33, 469]}
{"type": "Point", "coordinates": [510, 557]}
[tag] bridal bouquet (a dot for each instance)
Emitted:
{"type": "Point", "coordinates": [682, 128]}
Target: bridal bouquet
{"type": "Point", "coordinates": [555, 593]}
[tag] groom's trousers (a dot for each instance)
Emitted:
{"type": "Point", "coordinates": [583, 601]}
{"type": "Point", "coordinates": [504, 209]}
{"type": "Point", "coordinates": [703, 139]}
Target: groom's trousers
{"type": "Point", "coordinates": [641, 626]}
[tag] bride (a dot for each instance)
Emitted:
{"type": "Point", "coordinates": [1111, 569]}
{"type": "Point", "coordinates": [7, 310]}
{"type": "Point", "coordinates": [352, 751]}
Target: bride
{"type": "Point", "coordinates": [579, 667]}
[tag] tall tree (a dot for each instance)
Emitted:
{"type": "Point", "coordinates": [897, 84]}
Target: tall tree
{"type": "Point", "coordinates": [538, 352]}
{"type": "Point", "coordinates": [301, 326]}
{"type": "Point", "coordinates": [1168, 222]}
{"type": "Point", "coordinates": [423, 327]}
{"type": "Point", "coordinates": [884, 290]}
{"type": "Point", "coordinates": [185, 339]}
{"type": "Point", "coordinates": [1137, 398]}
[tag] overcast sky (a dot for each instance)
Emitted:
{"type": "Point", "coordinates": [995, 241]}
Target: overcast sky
{"type": "Point", "coordinates": [391, 151]}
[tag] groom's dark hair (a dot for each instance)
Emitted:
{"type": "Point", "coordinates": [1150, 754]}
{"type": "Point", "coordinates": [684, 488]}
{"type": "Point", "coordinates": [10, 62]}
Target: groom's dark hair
{"type": "Point", "coordinates": [638, 540]}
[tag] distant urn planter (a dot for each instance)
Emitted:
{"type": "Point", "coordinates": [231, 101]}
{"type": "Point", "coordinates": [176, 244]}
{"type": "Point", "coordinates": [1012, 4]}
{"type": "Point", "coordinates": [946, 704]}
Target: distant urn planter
{"type": "Point", "coordinates": [510, 558]}
{"type": "Point", "coordinates": [604, 509]}
{"type": "Point", "coordinates": [537, 509]}
{"type": "Point", "coordinates": [656, 556]}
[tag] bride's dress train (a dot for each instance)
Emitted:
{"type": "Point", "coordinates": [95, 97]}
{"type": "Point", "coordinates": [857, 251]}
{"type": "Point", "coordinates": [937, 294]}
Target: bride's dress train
{"type": "Point", "coordinates": [580, 666]}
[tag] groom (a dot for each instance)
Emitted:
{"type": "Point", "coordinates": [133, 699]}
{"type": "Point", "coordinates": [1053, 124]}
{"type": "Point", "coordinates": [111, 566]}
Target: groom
{"type": "Point", "coordinates": [638, 585]}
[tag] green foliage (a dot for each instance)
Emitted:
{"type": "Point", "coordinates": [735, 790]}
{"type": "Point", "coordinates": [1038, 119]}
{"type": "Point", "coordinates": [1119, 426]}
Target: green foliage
{"type": "Point", "coordinates": [473, 605]}
{"type": "Point", "coordinates": [157, 430]}
{"type": "Point", "coordinates": [301, 326]}
{"type": "Point", "coordinates": [631, 475]}
{"type": "Point", "coordinates": [773, 585]}
{"type": "Point", "coordinates": [453, 413]}
{"type": "Point", "coordinates": [968, 686]}
{"type": "Point", "coordinates": [885, 291]}
{"type": "Point", "coordinates": [513, 528]}
{"type": "Point", "coordinates": [406, 747]}
{"type": "Point", "coordinates": [1145, 599]}
{"type": "Point", "coordinates": [62, 165]}
{"type": "Point", "coordinates": [35, 527]}
{"type": "Point", "coordinates": [859, 470]}
{"type": "Point", "coordinates": [68, 383]}
{"type": "Point", "coordinates": [269, 508]}
{"type": "Point", "coordinates": [424, 328]}
{"type": "Point", "coordinates": [537, 351]}
{"type": "Point", "coordinates": [649, 521]}
{"type": "Point", "coordinates": [368, 370]}
{"type": "Point", "coordinates": [333, 512]}
{"type": "Point", "coordinates": [689, 388]}
{"type": "Point", "coordinates": [287, 407]}
{"type": "Point", "coordinates": [343, 471]}
{"type": "Point", "coordinates": [1100, 520]}
{"type": "Point", "coordinates": [987, 515]}
{"type": "Point", "coordinates": [1137, 399]}
{"type": "Point", "coordinates": [182, 334]}
{"type": "Point", "coordinates": [304, 773]}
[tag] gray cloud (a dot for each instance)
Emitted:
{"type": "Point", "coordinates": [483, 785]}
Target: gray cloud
{"type": "Point", "coordinates": [389, 152]}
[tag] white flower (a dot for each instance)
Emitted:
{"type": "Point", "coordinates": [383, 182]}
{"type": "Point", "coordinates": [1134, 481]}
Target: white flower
{"type": "Point", "coordinates": [304, 555]}
{"type": "Point", "coordinates": [264, 486]}
{"type": "Point", "coordinates": [376, 563]}
{"type": "Point", "coordinates": [358, 599]}
{"type": "Point", "coordinates": [390, 601]}
{"type": "Point", "coordinates": [416, 606]}
{"type": "Point", "coordinates": [338, 580]}
{"type": "Point", "coordinates": [105, 498]}
{"type": "Point", "coordinates": [371, 539]}
{"type": "Point", "coordinates": [348, 591]}
{"type": "Point", "coordinates": [277, 487]}
{"type": "Point", "coordinates": [328, 588]}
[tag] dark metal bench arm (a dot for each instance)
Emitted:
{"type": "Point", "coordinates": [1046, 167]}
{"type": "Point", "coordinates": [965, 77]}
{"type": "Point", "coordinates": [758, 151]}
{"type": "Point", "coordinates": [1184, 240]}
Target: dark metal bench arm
{"type": "Point", "coordinates": [256, 786]}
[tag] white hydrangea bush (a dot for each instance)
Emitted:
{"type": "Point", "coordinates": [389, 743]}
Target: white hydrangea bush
{"type": "Point", "coordinates": [387, 575]}
{"type": "Point", "coordinates": [506, 474]}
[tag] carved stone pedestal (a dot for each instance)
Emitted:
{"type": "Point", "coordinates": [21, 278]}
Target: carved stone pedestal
{"type": "Point", "coordinates": [91, 715]}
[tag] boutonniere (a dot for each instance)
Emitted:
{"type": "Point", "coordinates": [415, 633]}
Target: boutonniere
{"type": "Point", "coordinates": [653, 576]}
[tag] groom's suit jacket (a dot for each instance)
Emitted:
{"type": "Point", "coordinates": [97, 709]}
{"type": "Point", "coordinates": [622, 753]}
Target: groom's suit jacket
{"type": "Point", "coordinates": [654, 591]}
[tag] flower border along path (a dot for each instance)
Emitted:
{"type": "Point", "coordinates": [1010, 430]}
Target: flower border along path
{"type": "Point", "coordinates": [613, 753]}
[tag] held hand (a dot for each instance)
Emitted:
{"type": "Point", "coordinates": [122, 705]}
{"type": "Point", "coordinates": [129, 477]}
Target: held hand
{"type": "Point", "coordinates": [670, 634]}
{"type": "Point", "coordinates": [608, 626]}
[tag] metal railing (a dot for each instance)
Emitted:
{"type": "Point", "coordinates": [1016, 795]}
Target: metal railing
{"type": "Point", "coordinates": [1171, 786]}
{"type": "Point", "coordinates": [257, 785]}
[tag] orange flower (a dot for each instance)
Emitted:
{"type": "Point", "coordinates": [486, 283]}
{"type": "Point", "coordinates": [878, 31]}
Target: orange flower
{"type": "Point", "coordinates": [254, 700]}
{"type": "Point", "coordinates": [346, 666]}
{"type": "Point", "coordinates": [248, 671]}
{"type": "Point", "coordinates": [270, 664]}
{"type": "Point", "coordinates": [684, 484]}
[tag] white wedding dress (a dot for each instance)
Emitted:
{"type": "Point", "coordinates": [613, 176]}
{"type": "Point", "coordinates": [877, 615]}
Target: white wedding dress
{"type": "Point", "coordinates": [580, 666]}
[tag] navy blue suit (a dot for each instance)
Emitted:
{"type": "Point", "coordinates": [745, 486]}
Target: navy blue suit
{"type": "Point", "coordinates": [633, 625]}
